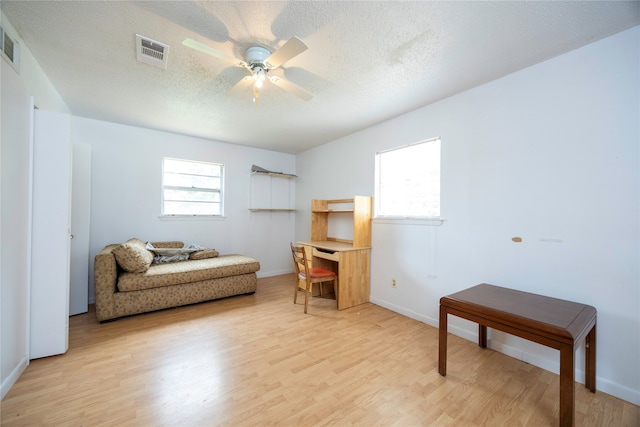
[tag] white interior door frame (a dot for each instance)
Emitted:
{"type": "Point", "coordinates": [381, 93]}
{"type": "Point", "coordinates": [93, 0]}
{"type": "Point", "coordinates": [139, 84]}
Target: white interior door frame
{"type": "Point", "coordinates": [80, 228]}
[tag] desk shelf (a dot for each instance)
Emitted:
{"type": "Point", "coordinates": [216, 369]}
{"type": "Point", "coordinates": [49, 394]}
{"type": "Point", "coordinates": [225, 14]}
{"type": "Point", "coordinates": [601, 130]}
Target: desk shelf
{"type": "Point", "coordinates": [334, 211]}
{"type": "Point", "coordinates": [360, 207]}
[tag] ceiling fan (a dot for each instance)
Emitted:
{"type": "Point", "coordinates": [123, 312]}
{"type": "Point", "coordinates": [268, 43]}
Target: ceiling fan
{"type": "Point", "coordinates": [259, 61]}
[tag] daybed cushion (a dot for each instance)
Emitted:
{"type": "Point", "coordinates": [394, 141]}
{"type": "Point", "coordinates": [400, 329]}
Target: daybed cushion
{"type": "Point", "coordinates": [159, 275]}
{"type": "Point", "coordinates": [204, 254]}
{"type": "Point", "coordinates": [133, 256]}
{"type": "Point", "coordinates": [170, 244]}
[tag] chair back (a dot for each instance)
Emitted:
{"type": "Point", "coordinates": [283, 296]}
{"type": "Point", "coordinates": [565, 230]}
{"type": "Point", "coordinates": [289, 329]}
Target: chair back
{"type": "Point", "coordinates": [310, 275]}
{"type": "Point", "coordinates": [299, 258]}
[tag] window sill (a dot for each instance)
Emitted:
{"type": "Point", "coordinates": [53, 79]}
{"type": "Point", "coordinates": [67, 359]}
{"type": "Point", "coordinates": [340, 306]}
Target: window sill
{"type": "Point", "coordinates": [409, 221]}
{"type": "Point", "coordinates": [191, 217]}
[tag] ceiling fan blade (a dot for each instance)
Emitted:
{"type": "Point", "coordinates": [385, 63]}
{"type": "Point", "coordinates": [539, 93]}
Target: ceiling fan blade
{"type": "Point", "coordinates": [291, 88]}
{"type": "Point", "coordinates": [293, 47]}
{"type": "Point", "coordinates": [241, 86]}
{"type": "Point", "coordinates": [193, 44]}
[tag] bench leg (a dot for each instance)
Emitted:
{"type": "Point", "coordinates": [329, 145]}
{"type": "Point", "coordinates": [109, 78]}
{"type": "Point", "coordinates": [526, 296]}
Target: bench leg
{"type": "Point", "coordinates": [442, 343]}
{"type": "Point", "coordinates": [567, 386]}
{"type": "Point", "coordinates": [482, 336]}
{"type": "Point", "coordinates": [590, 363]}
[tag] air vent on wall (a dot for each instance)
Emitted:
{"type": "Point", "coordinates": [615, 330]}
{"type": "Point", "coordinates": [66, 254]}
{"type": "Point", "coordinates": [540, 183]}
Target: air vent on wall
{"type": "Point", "coordinates": [151, 52]}
{"type": "Point", "coordinates": [9, 48]}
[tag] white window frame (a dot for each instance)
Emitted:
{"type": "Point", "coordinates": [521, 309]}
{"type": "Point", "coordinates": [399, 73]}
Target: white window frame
{"type": "Point", "coordinates": [220, 190]}
{"type": "Point", "coordinates": [383, 213]}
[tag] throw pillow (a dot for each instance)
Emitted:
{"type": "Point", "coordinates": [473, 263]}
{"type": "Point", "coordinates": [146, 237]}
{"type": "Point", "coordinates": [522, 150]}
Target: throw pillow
{"type": "Point", "coordinates": [133, 257]}
{"type": "Point", "coordinates": [203, 254]}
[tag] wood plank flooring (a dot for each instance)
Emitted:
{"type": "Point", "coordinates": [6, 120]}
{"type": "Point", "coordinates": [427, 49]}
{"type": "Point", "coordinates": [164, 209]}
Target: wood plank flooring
{"type": "Point", "coordinates": [259, 361]}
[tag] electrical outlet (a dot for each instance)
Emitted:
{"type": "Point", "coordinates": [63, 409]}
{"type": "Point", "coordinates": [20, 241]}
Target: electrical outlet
{"type": "Point", "coordinates": [393, 283]}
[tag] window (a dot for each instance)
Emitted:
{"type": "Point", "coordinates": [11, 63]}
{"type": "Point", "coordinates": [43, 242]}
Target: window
{"type": "Point", "coordinates": [191, 188]}
{"type": "Point", "coordinates": [408, 181]}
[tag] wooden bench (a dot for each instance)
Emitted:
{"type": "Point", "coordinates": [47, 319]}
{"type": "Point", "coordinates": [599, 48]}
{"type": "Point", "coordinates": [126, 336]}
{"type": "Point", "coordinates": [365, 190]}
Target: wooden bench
{"type": "Point", "coordinates": [548, 321]}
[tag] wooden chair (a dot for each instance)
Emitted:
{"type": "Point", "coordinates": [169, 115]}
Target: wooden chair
{"type": "Point", "coordinates": [315, 275]}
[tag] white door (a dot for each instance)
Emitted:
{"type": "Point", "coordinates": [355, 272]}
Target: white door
{"type": "Point", "coordinates": [50, 240]}
{"type": "Point", "coordinates": [80, 224]}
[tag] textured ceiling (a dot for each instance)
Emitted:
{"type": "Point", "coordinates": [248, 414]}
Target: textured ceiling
{"type": "Point", "coordinates": [366, 62]}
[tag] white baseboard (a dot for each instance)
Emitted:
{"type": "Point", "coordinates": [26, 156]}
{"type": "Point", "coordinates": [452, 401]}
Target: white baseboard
{"type": "Point", "coordinates": [405, 312]}
{"type": "Point", "coordinates": [13, 377]}
{"type": "Point", "coordinates": [273, 273]}
{"type": "Point", "coordinates": [615, 389]}
{"type": "Point", "coordinates": [552, 365]}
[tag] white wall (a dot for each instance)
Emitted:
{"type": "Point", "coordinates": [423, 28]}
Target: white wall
{"type": "Point", "coordinates": [126, 194]}
{"type": "Point", "coordinates": [548, 153]}
{"type": "Point", "coordinates": [36, 82]}
{"type": "Point", "coordinates": [15, 154]}
{"type": "Point", "coordinates": [14, 222]}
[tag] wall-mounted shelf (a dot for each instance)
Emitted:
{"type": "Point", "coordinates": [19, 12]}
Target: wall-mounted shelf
{"type": "Point", "coordinates": [272, 191]}
{"type": "Point", "coordinates": [278, 174]}
{"type": "Point", "coordinates": [270, 210]}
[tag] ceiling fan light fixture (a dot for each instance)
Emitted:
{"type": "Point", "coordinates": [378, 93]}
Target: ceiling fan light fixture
{"type": "Point", "coordinates": [259, 73]}
{"type": "Point", "coordinates": [259, 60]}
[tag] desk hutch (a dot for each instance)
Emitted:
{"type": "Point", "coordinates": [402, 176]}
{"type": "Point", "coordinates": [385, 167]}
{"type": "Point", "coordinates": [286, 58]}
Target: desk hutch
{"type": "Point", "coordinates": [350, 259]}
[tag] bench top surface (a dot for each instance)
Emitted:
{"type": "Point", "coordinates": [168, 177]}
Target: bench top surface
{"type": "Point", "coordinates": [562, 318]}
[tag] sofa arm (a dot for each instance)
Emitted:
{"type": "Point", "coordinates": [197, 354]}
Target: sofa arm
{"type": "Point", "coordinates": [105, 278]}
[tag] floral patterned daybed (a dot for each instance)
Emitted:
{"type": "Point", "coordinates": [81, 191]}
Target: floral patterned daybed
{"type": "Point", "coordinates": [127, 281]}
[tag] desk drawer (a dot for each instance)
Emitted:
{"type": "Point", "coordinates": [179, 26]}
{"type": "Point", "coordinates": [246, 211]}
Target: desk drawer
{"type": "Point", "coordinates": [332, 256]}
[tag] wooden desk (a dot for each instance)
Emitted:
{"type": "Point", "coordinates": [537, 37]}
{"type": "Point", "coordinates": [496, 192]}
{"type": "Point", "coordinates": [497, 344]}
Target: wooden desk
{"type": "Point", "coordinates": [351, 264]}
{"type": "Point", "coordinates": [548, 321]}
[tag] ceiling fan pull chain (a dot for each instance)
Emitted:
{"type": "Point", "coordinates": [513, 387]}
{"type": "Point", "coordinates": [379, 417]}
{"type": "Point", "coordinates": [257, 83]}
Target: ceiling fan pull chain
{"type": "Point", "coordinates": [255, 97]}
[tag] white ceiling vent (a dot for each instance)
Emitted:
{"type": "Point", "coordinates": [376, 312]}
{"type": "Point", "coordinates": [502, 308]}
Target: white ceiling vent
{"type": "Point", "coordinates": [151, 52]}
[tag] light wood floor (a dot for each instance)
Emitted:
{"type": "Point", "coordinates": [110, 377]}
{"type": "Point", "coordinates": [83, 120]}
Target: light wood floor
{"type": "Point", "coordinates": [259, 361]}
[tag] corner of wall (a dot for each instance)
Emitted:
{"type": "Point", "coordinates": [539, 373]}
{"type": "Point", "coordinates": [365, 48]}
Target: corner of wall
{"type": "Point", "coordinates": [13, 376]}
{"type": "Point", "coordinates": [34, 78]}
